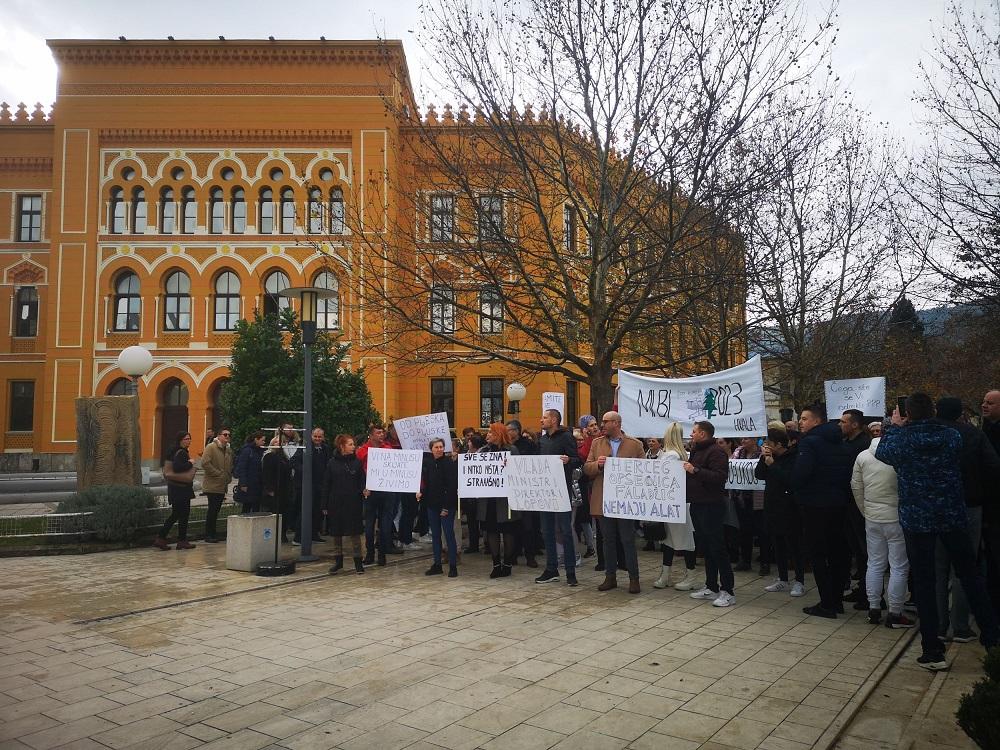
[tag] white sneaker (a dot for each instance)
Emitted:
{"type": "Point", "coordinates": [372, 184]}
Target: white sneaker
{"type": "Point", "coordinates": [688, 582]}
{"type": "Point", "coordinates": [778, 585]}
{"type": "Point", "coordinates": [412, 546]}
{"type": "Point", "coordinates": [664, 580]}
{"type": "Point", "coordinates": [725, 599]}
{"type": "Point", "coordinates": [798, 589]}
{"type": "Point", "coordinates": [705, 593]}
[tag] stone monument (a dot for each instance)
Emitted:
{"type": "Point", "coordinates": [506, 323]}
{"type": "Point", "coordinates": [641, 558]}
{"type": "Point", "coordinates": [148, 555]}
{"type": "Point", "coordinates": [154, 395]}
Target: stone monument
{"type": "Point", "coordinates": [107, 441]}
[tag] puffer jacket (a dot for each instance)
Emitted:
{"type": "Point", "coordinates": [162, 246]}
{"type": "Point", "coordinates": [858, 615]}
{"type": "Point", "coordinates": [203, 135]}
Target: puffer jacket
{"type": "Point", "coordinates": [874, 484]}
{"type": "Point", "coordinates": [822, 474]}
{"type": "Point", "coordinates": [925, 455]}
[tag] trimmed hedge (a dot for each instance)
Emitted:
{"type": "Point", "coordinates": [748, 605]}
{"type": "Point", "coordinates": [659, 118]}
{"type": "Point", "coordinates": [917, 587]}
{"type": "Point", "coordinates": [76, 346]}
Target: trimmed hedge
{"type": "Point", "coordinates": [119, 511]}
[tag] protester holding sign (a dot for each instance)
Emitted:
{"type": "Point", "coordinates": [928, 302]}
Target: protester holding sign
{"type": "Point", "coordinates": [439, 501]}
{"type": "Point", "coordinates": [781, 513]}
{"type": "Point", "coordinates": [707, 470]}
{"type": "Point", "coordinates": [495, 516]}
{"type": "Point", "coordinates": [680, 536]}
{"type": "Point", "coordinates": [557, 441]}
{"type": "Point", "coordinates": [615, 444]}
{"type": "Point", "coordinates": [379, 506]}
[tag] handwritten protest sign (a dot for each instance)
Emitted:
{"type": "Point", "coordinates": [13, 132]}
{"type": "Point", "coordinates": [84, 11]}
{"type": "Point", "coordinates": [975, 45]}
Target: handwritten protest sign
{"type": "Point", "coordinates": [732, 400]}
{"type": "Point", "coordinates": [416, 433]}
{"type": "Point", "coordinates": [394, 470]}
{"type": "Point", "coordinates": [741, 475]}
{"type": "Point", "coordinates": [554, 400]}
{"type": "Point", "coordinates": [482, 474]}
{"type": "Point", "coordinates": [536, 483]}
{"type": "Point", "coordinates": [867, 395]}
{"type": "Point", "coordinates": [645, 490]}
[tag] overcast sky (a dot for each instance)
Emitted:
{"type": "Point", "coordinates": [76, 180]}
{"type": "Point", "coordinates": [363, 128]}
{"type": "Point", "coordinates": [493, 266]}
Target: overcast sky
{"type": "Point", "coordinates": [880, 41]}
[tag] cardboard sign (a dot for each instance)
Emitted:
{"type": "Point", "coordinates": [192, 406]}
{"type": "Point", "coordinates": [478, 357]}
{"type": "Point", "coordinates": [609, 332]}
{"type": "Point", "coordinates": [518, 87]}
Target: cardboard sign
{"type": "Point", "coordinates": [741, 475]}
{"type": "Point", "coordinates": [392, 470]}
{"type": "Point", "coordinates": [482, 474]}
{"type": "Point", "coordinates": [416, 433]}
{"type": "Point", "coordinates": [645, 490]}
{"type": "Point", "coordinates": [554, 400]}
{"type": "Point", "coordinates": [867, 395]}
{"type": "Point", "coordinates": [536, 483]}
{"type": "Point", "coordinates": [732, 400]}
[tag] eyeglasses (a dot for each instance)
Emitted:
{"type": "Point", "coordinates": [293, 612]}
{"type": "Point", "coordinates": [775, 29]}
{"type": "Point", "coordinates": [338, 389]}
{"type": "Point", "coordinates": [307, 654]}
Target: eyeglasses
{"type": "Point", "coordinates": [225, 434]}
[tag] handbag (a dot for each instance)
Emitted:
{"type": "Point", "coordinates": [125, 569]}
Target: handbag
{"type": "Point", "coordinates": [186, 477]}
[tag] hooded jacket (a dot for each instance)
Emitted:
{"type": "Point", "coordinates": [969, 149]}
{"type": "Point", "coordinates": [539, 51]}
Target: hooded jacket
{"type": "Point", "coordinates": [874, 485]}
{"type": "Point", "coordinates": [925, 455]}
{"type": "Point", "coordinates": [822, 474]}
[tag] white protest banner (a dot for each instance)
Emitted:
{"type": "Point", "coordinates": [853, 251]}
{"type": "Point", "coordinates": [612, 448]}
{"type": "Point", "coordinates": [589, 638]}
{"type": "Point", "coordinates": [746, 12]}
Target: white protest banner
{"type": "Point", "coordinates": [741, 475]}
{"type": "Point", "coordinates": [867, 395]}
{"type": "Point", "coordinates": [554, 400]}
{"type": "Point", "coordinates": [481, 474]}
{"type": "Point", "coordinates": [536, 483]}
{"type": "Point", "coordinates": [416, 433]}
{"type": "Point", "coordinates": [391, 470]}
{"type": "Point", "coordinates": [645, 490]}
{"type": "Point", "coordinates": [732, 400]}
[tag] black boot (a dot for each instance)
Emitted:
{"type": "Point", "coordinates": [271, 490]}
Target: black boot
{"type": "Point", "coordinates": [358, 567]}
{"type": "Point", "coordinates": [497, 569]}
{"type": "Point", "coordinates": [370, 557]}
{"type": "Point", "coordinates": [338, 563]}
{"type": "Point", "coordinates": [381, 558]}
{"type": "Point", "coordinates": [505, 570]}
{"type": "Point", "coordinates": [453, 571]}
{"type": "Point", "coordinates": [434, 570]}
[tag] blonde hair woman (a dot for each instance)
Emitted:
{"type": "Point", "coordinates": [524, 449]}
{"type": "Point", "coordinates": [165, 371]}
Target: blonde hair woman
{"type": "Point", "coordinates": [680, 536]}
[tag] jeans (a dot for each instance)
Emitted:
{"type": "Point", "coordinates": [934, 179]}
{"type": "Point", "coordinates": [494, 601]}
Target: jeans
{"type": "Point", "coordinates": [379, 506]}
{"type": "Point", "coordinates": [408, 514]}
{"type": "Point", "coordinates": [447, 525]}
{"type": "Point", "coordinates": [885, 545]}
{"type": "Point", "coordinates": [959, 619]}
{"type": "Point", "coordinates": [565, 522]}
{"type": "Point", "coordinates": [920, 547]}
{"type": "Point", "coordinates": [708, 532]}
{"type": "Point", "coordinates": [827, 544]}
{"type": "Point", "coordinates": [623, 529]}
{"type": "Point", "coordinates": [212, 516]}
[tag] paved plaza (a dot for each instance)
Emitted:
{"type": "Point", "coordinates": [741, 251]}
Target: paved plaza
{"type": "Point", "coordinates": [393, 659]}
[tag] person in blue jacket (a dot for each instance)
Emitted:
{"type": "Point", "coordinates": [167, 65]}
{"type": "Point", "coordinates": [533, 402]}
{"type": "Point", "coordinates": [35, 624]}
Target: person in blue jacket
{"type": "Point", "coordinates": [246, 471]}
{"type": "Point", "coordinates": [927, 458]}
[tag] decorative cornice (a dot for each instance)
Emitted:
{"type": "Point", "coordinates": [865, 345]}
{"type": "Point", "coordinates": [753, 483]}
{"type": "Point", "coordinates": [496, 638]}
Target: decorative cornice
{"type": "Point", "coordinates": [268, 138]}
{"type": "Point", "coordinates": [220, 89]}
{"type": "Point", "coordinates": [25, 164]}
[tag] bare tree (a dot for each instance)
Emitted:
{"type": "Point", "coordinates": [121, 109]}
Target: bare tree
{"type": "Point", "coordinates": [821, 249]}
{"type": "Point", "coordinates": [572, 215]}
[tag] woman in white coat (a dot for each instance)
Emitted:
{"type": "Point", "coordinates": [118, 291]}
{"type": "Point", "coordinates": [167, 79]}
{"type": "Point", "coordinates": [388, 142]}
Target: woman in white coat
{"type": "Point", "coordinates": [680, 536]}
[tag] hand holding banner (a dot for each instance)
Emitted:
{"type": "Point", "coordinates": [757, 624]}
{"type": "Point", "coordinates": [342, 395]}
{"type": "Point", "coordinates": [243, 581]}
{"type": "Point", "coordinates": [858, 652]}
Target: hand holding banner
{"type": "Point", "coordinates": [416, 433]}
{"type": "Point", "coordinates": [867, 395]}
{"type": "Point", "coordinates": [536, 483]}
{"type": "Point", "coordinates": [645, 490]}
{"type": "Point", "coordinates": [392, 470]}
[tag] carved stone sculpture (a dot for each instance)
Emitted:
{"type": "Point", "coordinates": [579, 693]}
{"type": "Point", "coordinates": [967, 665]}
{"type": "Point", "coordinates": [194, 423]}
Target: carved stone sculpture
{"type": "Point", "coordinates": [107, 441]}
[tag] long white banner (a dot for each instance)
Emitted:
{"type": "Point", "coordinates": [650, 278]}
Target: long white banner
{"type": "Point", "coordinates": [645, 490]}
{"type": "Point", "coordinates": [732, 400]}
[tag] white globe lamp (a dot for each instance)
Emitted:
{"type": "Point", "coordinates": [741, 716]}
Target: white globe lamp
{"type": "Point", "coordinates": [135, 361]}
{"type": "Point", "coordinates": [515, 394]}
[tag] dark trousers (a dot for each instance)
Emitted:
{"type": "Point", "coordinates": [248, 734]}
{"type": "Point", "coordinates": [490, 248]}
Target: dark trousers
{"type": "Point", "coordinates": [180, 511]}
{"type": "Point", "coordinates": [620, 531]}
{"type": "Point", "coordinates": [710, 536]}
{"type": "Point", "coordinates": [408, 513]}
{"type": "Point", "coordinates": [828, 552]}
{"type": "Point", "coordinates": [991, 550]}
{"type": "Point", "coordinates": [531, 533]}
{"type": "Point", "coordinates": [920, 550]}
{"type": "Point", "coordinates": [439, 525]}
{"type": "Point", "coordinates": [317, 518]}
{"type": "Point", "coordinates": [212, 516]}
{"type": "Point", "coordinates": [380, 507]}
{"type": "Point", "coordinates": [789, 546]}
{"type": "Point", "coordinates": [422, 527]}
{"type": "Point", "coordinates": [565, 522]}
{"type": "Point", "coordinates": [858, 542]}
{"type": "Point", "coordinates": [470, 510]}
{"type": "Point", "coordinates": [751, 526]}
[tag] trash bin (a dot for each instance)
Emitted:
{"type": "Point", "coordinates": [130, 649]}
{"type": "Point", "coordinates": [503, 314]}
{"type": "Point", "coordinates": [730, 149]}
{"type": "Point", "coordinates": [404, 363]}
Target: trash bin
{"type": "Point", "coordinates": [250, 540]}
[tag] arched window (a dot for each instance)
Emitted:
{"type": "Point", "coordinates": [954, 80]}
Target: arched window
{"type": "Point", "coordinates": [287, 210]}
{"type": "Point", "coordinates": [327, 310]}
{"type": "Point", "coordinates": [336, 211]}
{"type": "Point", "coordinates": [315, 210]}
{"type": "Point", "coordinates": [216, 211]}
{"type": "Point", "coordinates": [26, 312]}
{"type": "Point", "coordinates": [239, 211]}
{"type": "Point", "coordinates": [265, 224]}
{"type": "Point", "coordinates": [175, 394]}
{"type": "Point", "coordinates": [168, 211]}
{"type": "Point", "coordinates": [138, 211]}
{"type": "Point", "coordinates": [127, 303]}
{"type": "Point", "coordinates": [227, 301]}
{"type": "Point", "coordinates": [442, 309]}
{"type": "Point", "coordinates": [177, 308]}
{"type": "Point", "coordinates": [118, 387]}
{"type": "Point", "coordinates": [189, 211]}
{"type": "Point", "coordinates": [275, 282]}
{"type": "Point", "coordinates": [116, 211]}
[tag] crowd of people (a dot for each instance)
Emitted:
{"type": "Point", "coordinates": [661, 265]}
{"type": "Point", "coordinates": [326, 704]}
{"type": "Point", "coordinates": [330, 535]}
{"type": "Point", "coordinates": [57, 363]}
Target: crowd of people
{"type": "Point", "coordinates": [913, 499]}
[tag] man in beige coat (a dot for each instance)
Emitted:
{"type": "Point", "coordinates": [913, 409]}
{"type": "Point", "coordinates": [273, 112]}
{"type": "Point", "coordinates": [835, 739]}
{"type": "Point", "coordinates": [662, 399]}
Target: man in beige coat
{"type": "Point", "coordinates": [217, 464]}
{"type": "Point", "coordinates": [613, 443]}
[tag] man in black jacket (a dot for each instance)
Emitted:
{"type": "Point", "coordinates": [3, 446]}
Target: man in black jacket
{"type": "Point", "coordinates": [822, 480]}
{"type": "Point", "coordinates": [558, 441]}
{"type": "Point", "coordinates": [320, 458]}
{"type": "Point", "coordinates": [857, 439]}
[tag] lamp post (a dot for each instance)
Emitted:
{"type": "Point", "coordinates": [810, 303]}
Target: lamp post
{"type": "Point", "coordinates": [515, 394]}
{"type": "Point", "coordinates": [308, 297]}
{"type": "Point", "coordinates": [135, 361]}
